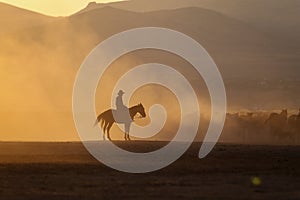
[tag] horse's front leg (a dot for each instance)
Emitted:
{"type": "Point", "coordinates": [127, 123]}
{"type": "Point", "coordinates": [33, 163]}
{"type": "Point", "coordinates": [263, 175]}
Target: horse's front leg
{"type": "Point", "coordinates": [125, 133]}
{"type": "Point", "coordinates": [127, 129]}
{"type": "Point", "coordinates": [128, 137]}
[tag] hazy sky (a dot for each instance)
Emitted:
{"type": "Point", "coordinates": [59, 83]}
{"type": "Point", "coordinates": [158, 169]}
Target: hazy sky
{"type": "Point", "coordinates": [53, 7]}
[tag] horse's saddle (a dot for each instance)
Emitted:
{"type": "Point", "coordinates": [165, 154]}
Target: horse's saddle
{"type": "Point", "coordinates": [122, 116]}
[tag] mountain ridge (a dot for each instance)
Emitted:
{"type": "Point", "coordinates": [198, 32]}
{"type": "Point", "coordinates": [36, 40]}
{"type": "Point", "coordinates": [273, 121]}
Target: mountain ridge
{"type": "Point", "coordinates": [275, 17]}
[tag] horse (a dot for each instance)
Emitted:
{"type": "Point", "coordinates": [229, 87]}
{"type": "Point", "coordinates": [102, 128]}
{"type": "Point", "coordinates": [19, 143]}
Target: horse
{"type": "Point", "coordinates": [107, 120]}
{"type": "Point", "coordinates": [231, 122]}
{"type": "Point", "coordinates": [246, 124]}
{"type": "Point", "coordinates": [292, 122]}
{"type": "Point", "coordinates": [277, 122]}
{"type": "Point", "coordinates": [294, 125]}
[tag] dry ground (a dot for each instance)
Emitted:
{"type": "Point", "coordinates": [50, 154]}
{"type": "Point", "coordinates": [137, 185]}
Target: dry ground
{"type": "Point", "coordinates": [67, 171]}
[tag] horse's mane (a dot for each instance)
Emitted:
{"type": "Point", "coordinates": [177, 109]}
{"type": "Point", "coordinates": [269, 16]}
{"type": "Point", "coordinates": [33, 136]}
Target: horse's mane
{"type": "Point", "coordinates": [138, 105]}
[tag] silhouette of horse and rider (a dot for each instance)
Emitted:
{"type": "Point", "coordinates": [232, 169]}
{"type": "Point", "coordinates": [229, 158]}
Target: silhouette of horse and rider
{"type": "Point", "coordinates": [122, 115]}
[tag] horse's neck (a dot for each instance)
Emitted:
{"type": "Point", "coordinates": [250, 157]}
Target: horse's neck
{"type": "Point", "coordinates": [133, 111]}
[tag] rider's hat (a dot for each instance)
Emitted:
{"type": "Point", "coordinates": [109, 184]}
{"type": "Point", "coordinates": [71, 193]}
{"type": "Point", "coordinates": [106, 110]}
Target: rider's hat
{"type": "Point", "coordinates": [121, 92]}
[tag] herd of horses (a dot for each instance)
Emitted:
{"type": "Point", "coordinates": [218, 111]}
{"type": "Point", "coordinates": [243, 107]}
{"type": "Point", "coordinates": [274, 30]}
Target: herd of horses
{"type": "Point", "coordinates": [279, 126]}
{"type": "Point", "coordinates": [246, 126]}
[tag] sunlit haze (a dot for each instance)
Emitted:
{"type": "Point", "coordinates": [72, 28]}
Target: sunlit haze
{"type": "Point", "coordinates": [53, 8]}
{"type": "Point", "coordinates": [257, 55]}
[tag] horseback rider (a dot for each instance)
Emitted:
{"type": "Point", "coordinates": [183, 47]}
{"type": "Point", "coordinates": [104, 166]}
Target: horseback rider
{"type": "Point", "coordinates": [122, 110]}
{"type": "Point", "coordinates": [119, 101]}
{"type": "Point", "coordinates": [120, 115]}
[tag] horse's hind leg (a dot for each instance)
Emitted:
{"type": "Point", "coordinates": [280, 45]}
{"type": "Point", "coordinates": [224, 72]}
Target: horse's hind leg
{"type": "Point", "coordinates": [103, 136]}
{"type": "Point", "coordinates": [108, 130]}
{"type": "Point", "coordinates": [105, 129]}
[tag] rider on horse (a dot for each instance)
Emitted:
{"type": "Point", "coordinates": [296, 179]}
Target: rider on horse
{"type": "Point", "coordinates": [122, 113]}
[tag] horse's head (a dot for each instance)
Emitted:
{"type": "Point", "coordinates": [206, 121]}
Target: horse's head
{"type": "Point", "coordinates": [141, 110]}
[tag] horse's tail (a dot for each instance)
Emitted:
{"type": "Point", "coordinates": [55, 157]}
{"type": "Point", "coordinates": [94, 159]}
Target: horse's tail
{"type": "Point", "coordinates": [99, 119]}
{"type": "Point", "coordinates": [102, 120]}
{"type": "Point", "coordinates": [96, 122]}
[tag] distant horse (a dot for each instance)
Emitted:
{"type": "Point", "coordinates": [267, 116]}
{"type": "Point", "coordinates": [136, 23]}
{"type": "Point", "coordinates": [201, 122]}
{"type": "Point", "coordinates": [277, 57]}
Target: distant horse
{"type": "Point", "coordinates": [292, 121]}
{"type": "Point", "coordinates": [246, 123]}
{"type": "Point", "coordinates": [232, 120]}
{"type": "Point", "coordinates": [107, 120]}
{"type": "Point", "coordinates": [277, 122]}
{"type": "Point", "coordinates": [295, 117]}
{"type": "Point", "coordinates": [294, 124]}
